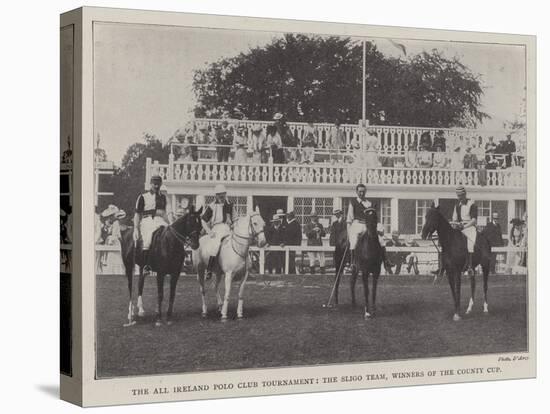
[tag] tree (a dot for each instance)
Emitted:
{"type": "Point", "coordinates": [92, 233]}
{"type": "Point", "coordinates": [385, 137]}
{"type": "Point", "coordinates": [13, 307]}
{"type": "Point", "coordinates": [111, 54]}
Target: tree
{"type": "Point", "coordinates": [318, 79]}
{"type": "Point", "coordinates": [129, 179]}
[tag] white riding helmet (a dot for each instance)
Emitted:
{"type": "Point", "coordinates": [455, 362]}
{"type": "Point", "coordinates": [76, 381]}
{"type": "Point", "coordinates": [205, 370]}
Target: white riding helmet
{"type": "Point", "coordinates": [219, 189]}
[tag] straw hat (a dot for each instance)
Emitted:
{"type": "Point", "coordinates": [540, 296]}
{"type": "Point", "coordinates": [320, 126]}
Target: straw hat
{"type": "Point", "coordinates": [220, 189]}
{"type": "Point", "coordinates": [111, 210]}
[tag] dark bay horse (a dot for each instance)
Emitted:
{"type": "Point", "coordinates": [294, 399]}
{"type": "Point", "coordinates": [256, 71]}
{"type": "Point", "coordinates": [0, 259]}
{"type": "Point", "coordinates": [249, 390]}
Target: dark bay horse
{"type": "Point", "coordinates": [455, 255]}
{"type": "Point", "coordinates": [166, 256]}
{"type": "Point", "coordinates": [369, 259]}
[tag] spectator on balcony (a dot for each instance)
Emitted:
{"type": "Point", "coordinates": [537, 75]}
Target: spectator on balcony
{"type": "Point", "coordinates": [371, 150]}
{"type": "Point", "coordinates": [192, 148]}
{"type": "Point", "coordinates": [509, 149]}
{"type": "Point", "coordinates": [457, 156]}
{"type": "Point", "coordinates": [337, 141]}
{"type": "Point", "coordinates": [293, 237]}
{"type": "Point", "coordinates": [425, 158]}
{"type": "Point", "coordinates": [224, 139]}
{"type": "Point", "coordinates": [275, 237]}
{"type": "Point", "coordinates": [315, 233]}
{"type": "Point", "coordinates": [425, 142]}
{"type": "Point", "coordinates": [470, 160]}
{"type": "Point", "coordinates": [309, 143]}
{"type": "Point", "coordinates": [439, 142]}
{"type": "Point", "coordinates": [260, 146]}
{"type": "Point", "coordinates": [276, 144]}
{"type": "Point", "coordinates": [289, 142]}
{"type": "Point", "coordinates": [440, 158]}
{"type": "Point", "coordinates": [240, 143]}
{"type": "Point", "coordinates": [478, 149]}
{"type": "Point", "coordinates": [490, 151]}
{"type": "Point", "coordinates": [493, 233]}
{"type": "Point", "coordinates": [411, 159]}
{"type": "Point", "coordinates": [203, 136]}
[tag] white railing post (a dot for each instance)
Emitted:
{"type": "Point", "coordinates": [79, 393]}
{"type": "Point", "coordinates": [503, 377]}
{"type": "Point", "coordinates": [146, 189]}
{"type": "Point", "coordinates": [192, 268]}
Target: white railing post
{"type": "Point", "coordinates": [170, 166]}
{"type": "Point", "coordinates": [262, 261]}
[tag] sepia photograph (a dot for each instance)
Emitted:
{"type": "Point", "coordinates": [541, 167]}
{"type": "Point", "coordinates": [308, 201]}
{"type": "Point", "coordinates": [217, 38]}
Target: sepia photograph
{"type": "Point", "coordinates": [284, 199]}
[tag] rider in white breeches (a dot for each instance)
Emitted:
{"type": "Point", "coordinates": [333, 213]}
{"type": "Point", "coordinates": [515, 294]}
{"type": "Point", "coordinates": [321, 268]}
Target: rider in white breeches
{"type": "Point", "coordinates": [465, 219]}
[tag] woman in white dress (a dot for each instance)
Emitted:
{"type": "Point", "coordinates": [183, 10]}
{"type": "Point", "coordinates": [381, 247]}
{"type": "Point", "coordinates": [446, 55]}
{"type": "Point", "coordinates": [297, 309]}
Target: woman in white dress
{"type": "Point", "coordinates": [371, 149]}
{"type": "Point", "coordinates": [240, 143]}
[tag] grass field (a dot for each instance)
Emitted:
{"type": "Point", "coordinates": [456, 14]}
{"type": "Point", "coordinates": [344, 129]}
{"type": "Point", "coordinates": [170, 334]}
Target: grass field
{"type": "Point", "coordinates": [285, 325]}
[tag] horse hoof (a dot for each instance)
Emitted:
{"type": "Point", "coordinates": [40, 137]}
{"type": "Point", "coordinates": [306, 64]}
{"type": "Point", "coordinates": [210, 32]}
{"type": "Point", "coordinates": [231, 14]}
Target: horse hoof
{"type": "Point", "coordinates": [130, 323]}
{"type": "Point", "coordinates": [169, 323]}
{"type": "Point", "coordinates": [456, 317]}
{"type": "Point", "coordinates": [240, 317]}
{"type": "Point", "coordinates": [141, 313]}
{"type": "Point", "coordinates": [204, 315]}
{"type": "Point", "coordinates": [368, 316]}
{"type": "Point", "coordinates": [468, 311]}
{"type": "Point", "coordinates": [485, 310]}
{"type": "Point", "coordinates": [223, 319]}
{"type": "Point", "coordinates": [158, 323]}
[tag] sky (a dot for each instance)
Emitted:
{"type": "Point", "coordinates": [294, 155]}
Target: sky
{"type": "Point", "coordinates": [143, 76]}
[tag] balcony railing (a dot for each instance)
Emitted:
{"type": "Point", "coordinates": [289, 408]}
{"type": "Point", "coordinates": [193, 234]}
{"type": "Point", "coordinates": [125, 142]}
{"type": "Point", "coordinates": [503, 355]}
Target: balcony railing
{"type": "Point", "coordinates": [284, 174]}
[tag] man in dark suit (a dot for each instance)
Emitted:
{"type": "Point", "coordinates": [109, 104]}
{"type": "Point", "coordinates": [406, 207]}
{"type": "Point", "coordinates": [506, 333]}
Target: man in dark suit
{"type": "Point", "coordinates": [293, 237]}
{"type": "Point", "coordinates": [509, 148]}
{"type": "Point", "coordinates": [493, 232]}
{"type": "Point", "coordinates": [275, 237]}
{"type": "Point", "coordinates": [339, 239]}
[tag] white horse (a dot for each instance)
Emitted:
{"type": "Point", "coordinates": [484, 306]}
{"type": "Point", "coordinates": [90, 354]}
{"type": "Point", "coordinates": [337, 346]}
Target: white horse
{"type": "Point", "coordinates": [232, 259]}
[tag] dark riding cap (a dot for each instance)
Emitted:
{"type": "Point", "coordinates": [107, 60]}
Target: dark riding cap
{"type": "Point", "coordinates": [156, 179]}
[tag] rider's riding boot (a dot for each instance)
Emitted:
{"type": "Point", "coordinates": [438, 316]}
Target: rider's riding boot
{"type": "Point", "coordinates": [210, 267]}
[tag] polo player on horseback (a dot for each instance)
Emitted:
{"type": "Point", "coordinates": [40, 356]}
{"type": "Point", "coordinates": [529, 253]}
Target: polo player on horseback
{"type": "Point", "coordinates": [150, 215]}
{"type": "Point", "coordinates": [465, 219]}
{"type": "Point", "coordinates": [217, 220]}
{"type": "Point", "coordinates": [357, 225]}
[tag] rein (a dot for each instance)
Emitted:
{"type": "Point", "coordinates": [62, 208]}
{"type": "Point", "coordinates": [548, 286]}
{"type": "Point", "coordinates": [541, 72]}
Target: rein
{"type": "Point", "coordinates": [184, 240]}
{"type": "Point", "coordinates": [252, 235]}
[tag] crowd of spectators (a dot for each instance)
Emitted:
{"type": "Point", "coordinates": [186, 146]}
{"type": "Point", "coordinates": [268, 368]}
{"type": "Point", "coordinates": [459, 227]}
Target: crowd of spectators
{"type": "Point", "coordinates": [278, 143]}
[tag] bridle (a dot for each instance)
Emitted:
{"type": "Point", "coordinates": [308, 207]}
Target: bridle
{"type": "Point", "coordinates": [183, 239]}
{"type": "Point", "coordinates": [252, 235]}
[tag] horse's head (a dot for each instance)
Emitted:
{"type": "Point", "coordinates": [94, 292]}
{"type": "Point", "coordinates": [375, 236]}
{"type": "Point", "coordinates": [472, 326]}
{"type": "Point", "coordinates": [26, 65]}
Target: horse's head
{"type": "Point", "coordinates": [431, 222]}
{"type": "Point", "coordinates": [371, 219]}
{"type": "Point", "coordinates": [257, 225]}
{"type": "Point", "coordinates": [190, 226]}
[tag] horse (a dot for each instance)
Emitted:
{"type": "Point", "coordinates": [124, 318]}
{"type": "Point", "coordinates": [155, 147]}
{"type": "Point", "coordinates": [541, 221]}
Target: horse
{"type": "Point", "coordinates": [454, 257]}
{"type": "Point", "coordinates": [231, 260]}
{"type": "Point", "coordinates": [369, 258]}
{"type": "Point", "coordinates": [166, 256]}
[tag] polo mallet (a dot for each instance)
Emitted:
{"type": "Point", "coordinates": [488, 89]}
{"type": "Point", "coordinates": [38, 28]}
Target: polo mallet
{"type": "Point", "coordinates": [336, 279]}
{"type": "Point", "coordinates": [131, 320]}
